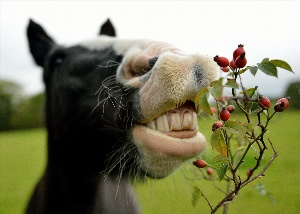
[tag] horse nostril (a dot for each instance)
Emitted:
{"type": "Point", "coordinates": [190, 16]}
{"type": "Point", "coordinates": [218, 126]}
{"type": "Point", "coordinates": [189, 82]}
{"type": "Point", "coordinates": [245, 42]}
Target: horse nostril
{"type": "Point", "coordinates": [198, 73]}
{"type": "Point", "coordinates": [152, 62]}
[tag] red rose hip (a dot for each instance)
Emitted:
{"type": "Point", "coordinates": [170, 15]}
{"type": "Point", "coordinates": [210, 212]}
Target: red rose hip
{"type": "Point", "coordinates": [221, 61]}
{"type": "Point", "coordinates": [213, 110]}
{"type": "Point", "coordinates": [225, 69]}
{"type": "Point", "coordinates": [282, 104]}
{"type": "Point", "coordinates": [232, 64]}
{"type": "Point", "coordinates": [224, 114]}
{"type": "Point", "coordinates": [230, 108]}
{"type": "Point", "coordinates": [216, 125]}
{"type": "Point", "coordinates": [200, 163]}
{"type": "Point", "coordinates": [209, 171]}
{"type": "Point", "coordinates": [238, 51]}
{"type": "Point", "coordinates": [241, 60]}
{"type": "Point", "coordinates": [264, 102]}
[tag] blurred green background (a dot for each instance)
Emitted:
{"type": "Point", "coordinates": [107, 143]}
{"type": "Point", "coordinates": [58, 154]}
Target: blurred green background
{"type": "Point", "coordinates": [23, 158]}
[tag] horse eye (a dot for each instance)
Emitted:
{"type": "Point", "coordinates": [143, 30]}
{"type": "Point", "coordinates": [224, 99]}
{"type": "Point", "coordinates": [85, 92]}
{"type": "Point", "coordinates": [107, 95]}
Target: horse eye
{"type": "Point", "coordinates": [58, 61]}
{"type": "Point", "coordinates": [152, 62]}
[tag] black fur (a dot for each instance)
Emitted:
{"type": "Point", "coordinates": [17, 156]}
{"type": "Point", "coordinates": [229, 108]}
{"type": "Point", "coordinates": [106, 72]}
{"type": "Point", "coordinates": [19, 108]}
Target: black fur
{"type": "Point", "coordinates": [107, 29]}
{"type": "Point", "coordinates": [39, 42]}
{"type": "Point", "coordinates": [86, 122]}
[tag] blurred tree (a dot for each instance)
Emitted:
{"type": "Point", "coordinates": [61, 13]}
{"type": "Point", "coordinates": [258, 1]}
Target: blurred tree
{"type": "Point", "coordinates": [9, 96]}
{"type": "Point", "coordinates": [293, 91]}
{"type": "Point", "coordinates": [17, 111]}
{"type": "Point", "coordinates": [29, 113]}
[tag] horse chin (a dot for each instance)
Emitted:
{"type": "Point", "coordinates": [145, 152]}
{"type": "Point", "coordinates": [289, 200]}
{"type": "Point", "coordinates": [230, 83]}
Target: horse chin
{"type": "Point", "coordinates": [162, 153]}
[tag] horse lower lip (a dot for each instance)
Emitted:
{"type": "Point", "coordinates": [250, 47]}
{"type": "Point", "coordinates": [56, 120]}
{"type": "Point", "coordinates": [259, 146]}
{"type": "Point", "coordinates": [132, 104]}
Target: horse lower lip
{"type": "Point", "coordinates": [155, 141]}
{"type": "Point", "coordinates": [182, 134]}
{"type": "Point", "coordinates": [162, 154]}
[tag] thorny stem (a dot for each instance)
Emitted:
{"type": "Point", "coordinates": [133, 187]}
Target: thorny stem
{"type": "Point", "coordinates": [246, 151]}
{"type": "Point", "coordinates": [261, 173]}
{"type": "Point", "coordinates": [231, 195]}
{"type": "Point", "coordinates": [243, 110]}
{"type": "Point", "coordinates": [226, 200]}
{"type": "Point", "coordinates": [245, 96]}
{"type": "Point", "coordinates": [259, 140]}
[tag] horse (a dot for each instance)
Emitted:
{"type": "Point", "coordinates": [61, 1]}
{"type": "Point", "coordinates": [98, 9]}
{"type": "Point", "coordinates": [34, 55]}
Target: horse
{"type": "Point", "coordinates": [117, 111]}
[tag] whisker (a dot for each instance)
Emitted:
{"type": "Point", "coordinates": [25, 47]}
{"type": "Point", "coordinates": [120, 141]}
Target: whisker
{"type": "Point", "coordinates": [110, 63]}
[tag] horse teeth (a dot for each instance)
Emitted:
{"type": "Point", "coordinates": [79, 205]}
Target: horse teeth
{"type": "Point", "coordinates": [195, 121]}
{"type": "Point", "coordinates": [187, 121]}
{"type": "Point", "coordinates": [162, 123]}
{"type": "Point", "coordinates": [151, 125]}
{"type": "Point", "coordinates": [175, 122]}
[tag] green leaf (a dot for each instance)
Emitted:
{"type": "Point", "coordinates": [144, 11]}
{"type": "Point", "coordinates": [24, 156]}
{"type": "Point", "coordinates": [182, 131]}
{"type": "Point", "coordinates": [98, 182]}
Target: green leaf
{"type": "Point", "coordinates": [235, 127]}
{"type": "Point", "coordinates": [243, 70]}
{"type": "Point", "coordinates": [268, 68]}
{"type": "Point", "coordinates": [262, 190]}
{"type": "Point", "coordinates": [222, 170]}
{"type": "Point", "coordinates": [216, 82]}
{"type": "Point", "coordinates": [249, 91]}
{"type": "Point", "coordinates": [248, 127]}
{"type": "Point", "coordinates": [231, 83]}
{"type": "Point", "coordinates": [220, 158]}
{"type": "Point", "coordinates": [202, 101]}
{"type": "Point", "coordinates": [253, 70]}
{"type": "Point", "coordinates": [196, 195]}
{"type": "Point", "coordinates": [218, 142]}
{"type": "Point", "coordinates": [281, 64]}
{"type": "Point", "coordinates": [216, 89]}
{"type": "Point", "coordinates": [271, 198]}
{"type": "Point", "coordinates": [238, 129]}
{"type": "Point", "coordinates": [254, 109]}
{"type": "Point", "coordinates": [265, 60]}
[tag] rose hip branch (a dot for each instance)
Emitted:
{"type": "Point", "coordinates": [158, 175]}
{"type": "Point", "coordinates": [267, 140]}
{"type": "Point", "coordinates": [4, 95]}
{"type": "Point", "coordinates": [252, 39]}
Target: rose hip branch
{"type": "Point", "coordinates": [232, 139]}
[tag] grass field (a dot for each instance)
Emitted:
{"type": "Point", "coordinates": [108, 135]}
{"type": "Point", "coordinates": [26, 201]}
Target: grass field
{"type": "Point", "coordinates": [22, 160]}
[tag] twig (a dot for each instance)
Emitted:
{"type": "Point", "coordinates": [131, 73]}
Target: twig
{"type": "Point", "coordinates": [225, 209]}
{"type": "Point", "coordinates": [209, 204]}
{"type": "Point", "coordinates": [261, 173]}
{"type": "Point", "coordinates": [246, 151]}
{"type": "Point", "coordinates": [229, 198]}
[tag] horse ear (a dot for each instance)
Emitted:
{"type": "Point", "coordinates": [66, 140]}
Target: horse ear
{"type": "Point", "coordinates": [39, 42]}
{"type": "Point", "coordinates": [107, 29]}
